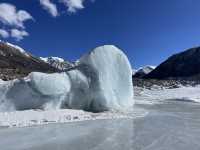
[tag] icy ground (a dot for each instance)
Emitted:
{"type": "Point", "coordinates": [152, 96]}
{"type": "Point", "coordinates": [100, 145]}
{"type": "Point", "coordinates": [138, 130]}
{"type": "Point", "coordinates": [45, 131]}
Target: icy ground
{"type": "Point", "coordinates": [38, 117]}
{"type": "Point", "coordinates": [86, 135]}
{"type": "Point", "coordinates": [159, 94]}
{"type": "Point", "coordinates": [173, 125]}
{"type": "Point", "coordinates": [172, 122]}
{"type": "Point", "coordinates": [165, 119]}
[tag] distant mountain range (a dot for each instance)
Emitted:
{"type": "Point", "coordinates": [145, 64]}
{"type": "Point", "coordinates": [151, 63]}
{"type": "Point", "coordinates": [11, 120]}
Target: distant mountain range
{"type": "Point", "coordinates": [143, 71]}
{"type": "Point", "coordinates": [15, 62]}
{"type": "Point", "coordinates": [58, 63]}
{"type": "Point", "coordinates": [184, 65]}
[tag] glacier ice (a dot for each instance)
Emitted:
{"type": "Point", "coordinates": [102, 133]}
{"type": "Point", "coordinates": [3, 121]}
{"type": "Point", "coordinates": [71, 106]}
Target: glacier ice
{"type": "Point", "coordinates": [38, 90]}
{"type": "Point", "coordinates": [50, 84]}
{"type": "Point", "coordinates": [100, 81]}
{"type": "Point", "coordinates": [110, 78]}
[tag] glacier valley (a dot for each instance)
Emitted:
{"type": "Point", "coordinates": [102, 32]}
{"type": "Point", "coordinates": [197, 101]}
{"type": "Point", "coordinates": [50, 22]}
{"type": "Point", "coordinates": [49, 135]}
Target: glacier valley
{"type": "Point", "coordinates": [59, 110]}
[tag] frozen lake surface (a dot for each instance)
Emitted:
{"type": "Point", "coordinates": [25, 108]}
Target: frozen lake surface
{"type": "Point", "coordinates": [171, 125]}
{"type": "Point", "coordinates": [86, 135]}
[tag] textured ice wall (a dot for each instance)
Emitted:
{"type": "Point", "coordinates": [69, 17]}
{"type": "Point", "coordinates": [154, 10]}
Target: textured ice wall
{"type": "Point", "coordinates": [36, 91]}
{"type": "Point", "coordinates": [109, 76]}
{"type": "Point", "coordinates": [101, 81]}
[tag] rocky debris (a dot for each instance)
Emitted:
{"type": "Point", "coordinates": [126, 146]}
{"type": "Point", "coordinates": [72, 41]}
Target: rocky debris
{"type": "Point", "coordinates": [169, 84]}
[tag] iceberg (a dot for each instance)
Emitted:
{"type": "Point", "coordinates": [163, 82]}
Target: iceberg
{"type": "Point", "coordinates": [100, 81]}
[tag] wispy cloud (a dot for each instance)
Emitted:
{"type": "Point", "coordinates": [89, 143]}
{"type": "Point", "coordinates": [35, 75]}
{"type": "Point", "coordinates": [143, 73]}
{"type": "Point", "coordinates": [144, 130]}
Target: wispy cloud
{"type": "Point", "coordinates": [9, 15]}
{"type": "Point", "coordinates": [73, 5]}
{"type": "Point", "coordinates": [18, 34]}
{"type": "Point", "coordinates": [4, 33]}
{"type": "Point", "coordinates": [50, 7]}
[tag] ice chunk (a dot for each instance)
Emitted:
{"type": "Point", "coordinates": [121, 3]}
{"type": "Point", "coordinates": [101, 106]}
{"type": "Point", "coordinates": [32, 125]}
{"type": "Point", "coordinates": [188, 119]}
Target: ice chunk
{"type": "Point", "coordinates": [109, 75]}
{"type": "Point", "coordinates": [50, 84]}
{"type": "Point", "coordinates": [38, 90]}
{"type": "Point", "coordinates": [78, 97]}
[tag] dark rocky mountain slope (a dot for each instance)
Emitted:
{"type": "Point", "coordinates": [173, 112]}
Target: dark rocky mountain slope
{"type": "Point", "coordinates": [184, 65]}
{"type": "Point", "coordinates": [16, 63]}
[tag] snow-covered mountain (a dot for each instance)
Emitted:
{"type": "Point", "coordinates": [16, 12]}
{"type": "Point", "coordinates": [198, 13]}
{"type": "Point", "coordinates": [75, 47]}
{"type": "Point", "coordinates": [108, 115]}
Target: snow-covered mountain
{"type": "Point", "coordinates": [134, 71]}
{"type": "Point", "coordinates": [58, 63]}
{"type": "Point", "coordinates": [16, 47]}
{"type": "Point", "coordinates": [141, 72]}
{"type": "Point", "coordinates": [15, 62]}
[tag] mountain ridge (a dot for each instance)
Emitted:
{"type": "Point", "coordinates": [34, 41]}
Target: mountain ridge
{"type": "Point", "coordinates": [58, 63]}
{"type": "Point", "coordinates": [15, 62]}
{"type": "Point", "coordinates": [184, 65]}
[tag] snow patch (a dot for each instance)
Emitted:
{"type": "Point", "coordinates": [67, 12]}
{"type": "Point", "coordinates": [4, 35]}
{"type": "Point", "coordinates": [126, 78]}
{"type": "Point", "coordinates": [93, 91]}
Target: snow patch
{"type": "Point", "coordinates": [157, 95]}
{"type": "Point", "coordinates": [21, 50]}
{"type": "Point", "coordinates": [146, 69]}
{"type": "Point", "coordinates": [38, 117]}
{"type": "Point", "coordinates": [58, 59]}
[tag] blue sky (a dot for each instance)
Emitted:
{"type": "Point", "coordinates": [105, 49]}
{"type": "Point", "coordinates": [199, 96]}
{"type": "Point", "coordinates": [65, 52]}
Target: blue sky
{"type": "Point", "coordinates": [148, 31]}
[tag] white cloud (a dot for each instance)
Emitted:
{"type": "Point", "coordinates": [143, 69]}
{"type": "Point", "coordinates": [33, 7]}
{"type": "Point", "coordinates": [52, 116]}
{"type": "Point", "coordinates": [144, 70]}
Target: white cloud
{"type": "Point", "coordinates": [73, 5]}
{"type": "Point", "coordinates": [50, 7]}
{"type": "Point", "coordinates": [18, 34]}
{"type": "Point", "coordinates": [9, 15]}
{"type": "Point", "coordinates": [4, 33]}
{"type": "Point", "coordinates": [11, 18]}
